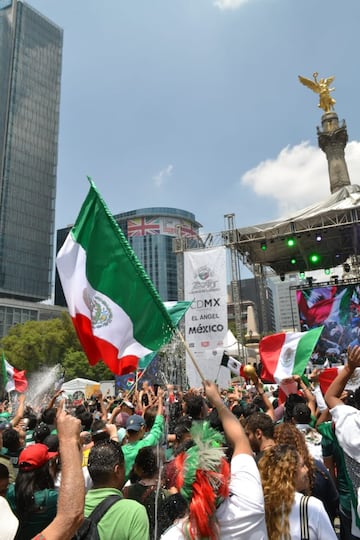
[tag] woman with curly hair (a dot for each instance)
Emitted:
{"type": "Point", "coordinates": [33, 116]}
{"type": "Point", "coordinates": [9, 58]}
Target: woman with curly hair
{"type": "Point", "coordinates": [321, 484]}
{"type": "Point", "coordinates": [284, 477]}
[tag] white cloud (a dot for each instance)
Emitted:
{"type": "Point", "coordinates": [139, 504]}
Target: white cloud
{"type": "Point", "coordinates": [298, 176]}
{"type": "Point", "coordinates": [162, 176]}
{"type": "Point", "coordinates": [229, 4]}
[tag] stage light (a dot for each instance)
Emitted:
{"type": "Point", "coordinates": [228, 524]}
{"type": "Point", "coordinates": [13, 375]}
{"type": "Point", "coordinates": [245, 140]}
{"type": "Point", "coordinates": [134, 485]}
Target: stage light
{"type": "Point", "coordinates": [282, 277]}
{"type": "Point", "coordinates": [318, 237]}
{"type": "Point", "coordinates": [293, 261]}
{"type": "Point", "coordinates": [263, 245]}
{"type": "Point", "coordinates": [327, 271]}
{"type": "Point", "coordinates": [314, 258]}
{"type": "Point", "coordinates": [302, 275]}
{"type": "Point", "coordinates": [290, 242]}
{"type": "Point", "coordinates": [346, 267]}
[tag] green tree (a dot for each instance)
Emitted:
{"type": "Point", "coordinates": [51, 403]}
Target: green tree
{"type": "Point", "coordinates": [76, 364]}
{"type": "Point", "coordinates": [37, 344]}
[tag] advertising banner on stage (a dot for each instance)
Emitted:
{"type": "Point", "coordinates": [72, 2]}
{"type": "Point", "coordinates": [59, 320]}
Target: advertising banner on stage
{"type": "Point", "coordinates": [206, 320]}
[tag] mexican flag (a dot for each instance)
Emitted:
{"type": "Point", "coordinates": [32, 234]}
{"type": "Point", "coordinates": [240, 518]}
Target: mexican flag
{"type": "Point", "coordinates": [286, 354]}
{"type": "Point", "coordinates": [333, 306]}
{"type": "Point", "coordinates": [328, 375]}
{"type": "Point", "coordinates": [11, 378]}
{"type": "Point", "coordinates": [234, 365]}
{"type": "Point", "coordinates": [117, 313]}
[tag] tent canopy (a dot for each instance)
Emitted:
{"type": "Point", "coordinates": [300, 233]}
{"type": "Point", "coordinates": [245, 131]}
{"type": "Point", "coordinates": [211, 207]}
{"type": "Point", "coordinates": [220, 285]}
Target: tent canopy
{"type": "Point", "coordinates": [232, 347]}
{"type": "Point", "coordinates": [78, 385]}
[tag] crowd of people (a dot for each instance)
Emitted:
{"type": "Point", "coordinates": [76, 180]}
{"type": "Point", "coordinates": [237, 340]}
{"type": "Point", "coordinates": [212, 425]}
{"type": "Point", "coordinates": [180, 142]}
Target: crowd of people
{"type": "Point", "coordinates": [201, 464]}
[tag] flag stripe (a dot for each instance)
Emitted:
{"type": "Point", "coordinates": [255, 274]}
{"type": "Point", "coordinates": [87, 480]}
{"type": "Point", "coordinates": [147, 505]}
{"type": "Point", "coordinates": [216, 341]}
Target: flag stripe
{"type": "Point", "coordinates": [305, 348]}
{"type": "Point", "coordinates": [270, 348]}
{"type": "Point", "coordinates": [16, 379]}
{"type": "Point", "coordinates": [78, 292]}
{"type": "Point", "coordinates": [96, 347]}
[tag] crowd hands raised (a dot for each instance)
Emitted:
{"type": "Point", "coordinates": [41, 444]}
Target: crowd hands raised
{"type": "Point", "coordinates": [203, 463]}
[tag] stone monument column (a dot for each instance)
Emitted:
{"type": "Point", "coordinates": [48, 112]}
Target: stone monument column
{"type": "Point", "coordinates": [332, 140]}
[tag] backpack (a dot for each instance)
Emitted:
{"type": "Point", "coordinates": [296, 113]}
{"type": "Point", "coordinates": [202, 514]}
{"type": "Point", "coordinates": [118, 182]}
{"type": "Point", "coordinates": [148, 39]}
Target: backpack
{"type": "Point", "coordinates": [88, 529]}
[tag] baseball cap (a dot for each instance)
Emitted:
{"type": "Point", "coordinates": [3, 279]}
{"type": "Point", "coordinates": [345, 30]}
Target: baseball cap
{"type": "Point", "coordinates": [35, 456]}
{"type": "Point", "coordinates": [128, 404]}
{"type": "Point", "coordinates": [121, 419]}
{"type": "Point", "coordinates": [135, 422]}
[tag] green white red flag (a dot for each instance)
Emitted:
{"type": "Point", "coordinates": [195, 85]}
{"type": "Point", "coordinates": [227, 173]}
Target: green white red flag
{"type": "Point", "coordinates": [286, 354]}
{"type": "Point", "coordinates": [117, 313]}
{"type": "Point", "coordinates": [233, 365]}
{"type": "Point", "coordinates": [11, 378]}
{"type": "Point", "coordinates": [328, 375]}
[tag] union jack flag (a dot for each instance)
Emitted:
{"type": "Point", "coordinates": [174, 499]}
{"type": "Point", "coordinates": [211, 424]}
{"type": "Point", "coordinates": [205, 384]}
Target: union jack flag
{"type": "Point", "coordinates": [186, 230]}
{"type": "Point", "coordinates": [143, 226]}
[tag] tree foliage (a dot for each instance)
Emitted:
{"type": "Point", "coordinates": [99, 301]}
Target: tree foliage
{"type": "Point", "coordinates": [76, 365]}
{"type": "Point", "coordinates": [34, 345]}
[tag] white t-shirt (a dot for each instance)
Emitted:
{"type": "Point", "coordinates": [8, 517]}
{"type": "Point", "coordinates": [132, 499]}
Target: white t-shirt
{"type": "Point", "coordinates": [347, 431]}
{"type": "Point", "coordinates": [312, 439]}
{"type": "Point", "coordinates": [9, 522]}
{"type": "Point", "coordinates": [320, 527]}
{"type": "Point", "coordinates": [242, 514]}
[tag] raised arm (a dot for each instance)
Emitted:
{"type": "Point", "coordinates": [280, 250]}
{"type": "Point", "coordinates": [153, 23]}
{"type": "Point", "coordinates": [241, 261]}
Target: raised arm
{"type": "Point", "coordinates": [307, 393]}
{"type": "Point", "coordinates": [70, 509]}
{"type": "Point", "coordinates": [332, 396]}
{"type": "Point", "coordinates": [232, 427]}
{"type": "Point", "coordinates": [20, 411]}
{"type": "Point", "coordinates": [51, 403]}
{"type": "Point", "coordinates": [260, 390]}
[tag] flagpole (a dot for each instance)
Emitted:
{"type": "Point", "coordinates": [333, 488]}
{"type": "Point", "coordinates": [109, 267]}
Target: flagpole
{"type": "Point", "coordinates": [137, 380]}
{"type": "Point", "coordinates": [217, 374]}
{"type": "Point", "coordinates": [196, 366]}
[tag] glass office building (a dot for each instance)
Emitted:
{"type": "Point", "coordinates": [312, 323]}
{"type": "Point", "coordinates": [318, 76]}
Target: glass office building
{"type": "Point", "coordinates": [150, 232]}
{"type": "Point", "coordinates": [30, 72]}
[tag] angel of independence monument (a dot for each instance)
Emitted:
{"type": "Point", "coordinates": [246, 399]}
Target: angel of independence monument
{"type": "Point", "coordinates": [322, 236]}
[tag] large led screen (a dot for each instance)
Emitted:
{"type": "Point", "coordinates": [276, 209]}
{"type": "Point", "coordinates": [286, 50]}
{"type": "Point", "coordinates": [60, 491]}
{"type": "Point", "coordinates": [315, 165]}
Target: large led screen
{"type": "Point", "coordinates": [337, 308]}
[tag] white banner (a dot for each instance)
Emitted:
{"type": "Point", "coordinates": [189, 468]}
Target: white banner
{"type": "Point", "coordinates": [206, 320]}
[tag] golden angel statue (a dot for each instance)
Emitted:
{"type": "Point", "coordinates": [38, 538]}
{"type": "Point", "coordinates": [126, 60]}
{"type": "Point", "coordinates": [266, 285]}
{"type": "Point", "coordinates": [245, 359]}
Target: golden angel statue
{"type": "Point", "coordinates": [321, 87]}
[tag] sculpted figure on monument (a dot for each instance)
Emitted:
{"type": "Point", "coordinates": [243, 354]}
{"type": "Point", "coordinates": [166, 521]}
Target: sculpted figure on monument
{"type": "Point", "coordinates": [321, 87]}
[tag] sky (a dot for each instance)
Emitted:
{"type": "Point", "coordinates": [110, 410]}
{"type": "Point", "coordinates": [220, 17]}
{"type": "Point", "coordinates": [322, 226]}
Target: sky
{"type": "Point", "coordinates": [196, 104]}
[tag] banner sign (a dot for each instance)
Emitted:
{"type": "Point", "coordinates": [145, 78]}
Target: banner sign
{"type": "Point", "coordinates": [206, 320]}
{"type": "Point", "coordinates": [144, 226]}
